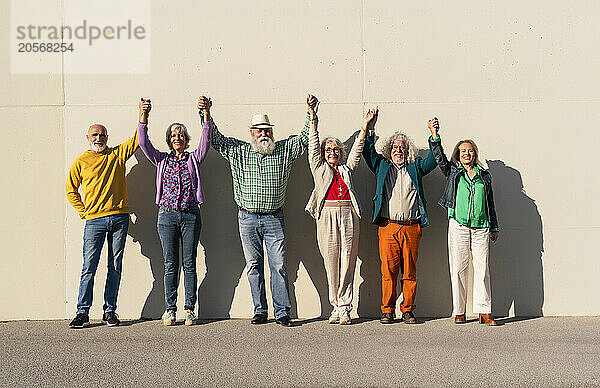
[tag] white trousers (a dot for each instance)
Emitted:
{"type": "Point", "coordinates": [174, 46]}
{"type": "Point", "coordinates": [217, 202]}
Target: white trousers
{"type": "Point", "coordinates": [337, 237]}
{"type": "Point", "coordinates": [463, 240]}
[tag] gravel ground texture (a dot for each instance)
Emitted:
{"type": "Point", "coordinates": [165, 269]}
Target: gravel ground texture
{"type": "Point", "coordinates": [546, 351]}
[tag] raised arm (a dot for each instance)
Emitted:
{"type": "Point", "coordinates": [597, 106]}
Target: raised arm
{"type": "Point", "coordinates": [372, 158]}
{"type": "Point", "coordinates": [314, 146]}
{"type": "Point", "coordinates": [206, 122]}
{"type": "Point", "coordinates": [221, 143]}
{"type": "Point", "coordinates": [72, 189]}
{"type": "Point", "coordinates": [357, 148]}
{"type": "Point", "coordinates": [127, 148]}
{"type": "Point", "coordinates": [435, 146]}
{"type": "Point", "coordinates": [428, 164]}
{"type": "Point", "coordinates": [297, 144]}
{"type": "Point", "coordinates": [153, 155]}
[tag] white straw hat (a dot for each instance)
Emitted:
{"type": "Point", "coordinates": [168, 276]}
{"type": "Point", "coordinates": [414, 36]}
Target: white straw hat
{"type": "Point", "coordinates": [260, 122]}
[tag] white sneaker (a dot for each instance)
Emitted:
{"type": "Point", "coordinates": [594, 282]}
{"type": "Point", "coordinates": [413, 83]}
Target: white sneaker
{"type": "Point", "coordinates": [190, 318]}
{"type": "Point", "coordinates": [335, 316]}
{"type": "Point", "coordinates": [168, 318]}
{"type": "Point", "coordinates": [345, 318]}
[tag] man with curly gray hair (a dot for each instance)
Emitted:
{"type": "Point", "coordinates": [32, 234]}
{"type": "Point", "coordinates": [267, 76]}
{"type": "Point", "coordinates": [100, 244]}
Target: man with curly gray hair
{"type": "Point", "coordinates": [399, 210]}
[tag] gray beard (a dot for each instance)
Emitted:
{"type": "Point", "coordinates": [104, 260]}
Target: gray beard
{"type": "Point", "coordinates": [401, 164]}
{"type": "Point", "coordinates": [264, 146]}
{"type": "Point", "coordinates": [95, 148]}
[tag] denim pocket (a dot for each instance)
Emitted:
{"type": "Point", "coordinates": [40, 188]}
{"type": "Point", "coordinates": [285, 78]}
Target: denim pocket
{"type": "Point", "coordinates": [163, 210]}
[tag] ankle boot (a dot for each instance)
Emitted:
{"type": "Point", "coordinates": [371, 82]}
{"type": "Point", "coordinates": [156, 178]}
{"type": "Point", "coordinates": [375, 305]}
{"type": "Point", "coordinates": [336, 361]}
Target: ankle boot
{"type": "Point", "coordinates": [487, 319]}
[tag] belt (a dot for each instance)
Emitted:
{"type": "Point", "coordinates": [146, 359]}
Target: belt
{"type": "Point", "coordinates": [341, 203]}
{"type": "Point", "coordinates": [385, 221]}
{"type": "Point", "coordinates": [261, 213]}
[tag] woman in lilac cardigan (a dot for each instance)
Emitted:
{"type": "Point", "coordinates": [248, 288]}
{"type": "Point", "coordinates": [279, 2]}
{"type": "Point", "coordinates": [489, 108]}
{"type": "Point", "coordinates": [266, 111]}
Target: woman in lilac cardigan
{"type": "Point", "coordinates": [178, 195]}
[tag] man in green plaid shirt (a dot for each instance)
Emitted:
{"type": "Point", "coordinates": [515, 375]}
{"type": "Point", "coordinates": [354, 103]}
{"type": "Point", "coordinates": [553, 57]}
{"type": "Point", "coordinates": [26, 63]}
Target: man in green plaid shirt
{"type": "Point", "coordinates": [260, 169]}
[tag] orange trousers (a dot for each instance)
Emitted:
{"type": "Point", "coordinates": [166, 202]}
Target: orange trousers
{"type": "Point", "coordinates": [398, 250]}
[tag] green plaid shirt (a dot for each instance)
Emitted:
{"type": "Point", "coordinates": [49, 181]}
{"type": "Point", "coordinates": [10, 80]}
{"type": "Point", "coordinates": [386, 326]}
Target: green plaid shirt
{"type": "Point", "coordinates": [260, 181]}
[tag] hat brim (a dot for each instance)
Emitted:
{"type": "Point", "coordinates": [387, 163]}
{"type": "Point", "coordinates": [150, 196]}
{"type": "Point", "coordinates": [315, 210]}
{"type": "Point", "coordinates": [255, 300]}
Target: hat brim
{"type": "Point", "coordinates": [261, 126]}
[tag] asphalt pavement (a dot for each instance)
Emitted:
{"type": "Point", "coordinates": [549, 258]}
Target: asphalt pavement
{"type": "Point", "coordinates": [546, 351]}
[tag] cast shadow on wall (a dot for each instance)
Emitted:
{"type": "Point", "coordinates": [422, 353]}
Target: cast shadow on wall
{"type": "Point", "coordinates": [301, 237]}
{"type": "Point", "coordinates": [516, 267]}
{"type": "Point", "coordinates": [141, 191]}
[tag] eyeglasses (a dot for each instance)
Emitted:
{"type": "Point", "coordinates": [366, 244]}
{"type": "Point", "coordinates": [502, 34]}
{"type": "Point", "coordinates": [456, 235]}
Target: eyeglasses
{"type": "Point", "coordinates": [337, 150]}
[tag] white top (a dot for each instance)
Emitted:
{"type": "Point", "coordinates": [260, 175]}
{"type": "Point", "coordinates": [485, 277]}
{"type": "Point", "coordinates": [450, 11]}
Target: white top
{"type": "Point", "coordinates": [400, 199]}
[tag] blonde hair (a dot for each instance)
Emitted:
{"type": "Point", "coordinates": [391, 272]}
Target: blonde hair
{"type": "Point", "coordinates": [456, 153]}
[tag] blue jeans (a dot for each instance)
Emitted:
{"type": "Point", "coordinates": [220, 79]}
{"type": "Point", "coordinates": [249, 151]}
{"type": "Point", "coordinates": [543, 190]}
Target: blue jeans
{"type": "Point", "coordinates": [114, 229]}
{"type": "Point", "coordinates": [174, 226]}
{"type": "Point", "coordinates": [254, 229]}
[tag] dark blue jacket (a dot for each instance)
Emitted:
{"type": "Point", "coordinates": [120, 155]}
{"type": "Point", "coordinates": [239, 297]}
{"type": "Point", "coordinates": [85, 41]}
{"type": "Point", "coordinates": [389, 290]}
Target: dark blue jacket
{"type": "Point", "coordinates": [453, 174]}
{"type": "Point", "coordinates": [380, 167]}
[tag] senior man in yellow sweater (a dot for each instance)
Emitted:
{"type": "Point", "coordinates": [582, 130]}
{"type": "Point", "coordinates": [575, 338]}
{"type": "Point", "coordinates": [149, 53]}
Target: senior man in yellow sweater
{"type": "Point", "coordinates": [100, 171]}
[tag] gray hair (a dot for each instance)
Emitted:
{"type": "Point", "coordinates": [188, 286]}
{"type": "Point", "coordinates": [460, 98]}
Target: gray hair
{"type": "Point", "coordinates": [338, 143]}
{"type": "Point", "coordinates": [386, 150]}
{"type": "Point", "coordinates": [181, 128]}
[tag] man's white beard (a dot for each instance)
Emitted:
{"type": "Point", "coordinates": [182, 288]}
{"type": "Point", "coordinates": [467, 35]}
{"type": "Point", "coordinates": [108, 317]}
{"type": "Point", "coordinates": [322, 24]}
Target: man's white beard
{"type": "Point", "coordinates": [97, 148]}
{"type": "Point", "coordinates": [401, 163]}
{"type": "Point", "coordinates": [263, 145]}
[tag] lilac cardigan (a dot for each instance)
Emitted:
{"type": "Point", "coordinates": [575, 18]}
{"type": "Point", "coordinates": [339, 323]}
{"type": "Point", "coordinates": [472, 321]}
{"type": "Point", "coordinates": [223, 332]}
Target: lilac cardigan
{"type": "Point", "coordinates": [159, 158]}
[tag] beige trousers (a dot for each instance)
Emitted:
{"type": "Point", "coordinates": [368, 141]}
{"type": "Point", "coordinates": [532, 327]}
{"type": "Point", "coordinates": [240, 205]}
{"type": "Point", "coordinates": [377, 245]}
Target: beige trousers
{"type": "Point", "coordinates": [463, 240]}
{"type": "Point", "coordinates": [337, 237]}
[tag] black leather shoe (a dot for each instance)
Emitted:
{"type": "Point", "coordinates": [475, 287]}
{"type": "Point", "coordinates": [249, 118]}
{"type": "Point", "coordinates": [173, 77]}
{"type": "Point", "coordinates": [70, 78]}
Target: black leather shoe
{"type": "Point", "coordinates": [387, 318]}
{"type": "Point", "coordinates": [259, 319]}
{"type": "Point", "coordinates": [283, 321]}
{"type": "Point", "coordinates": [409, 317]}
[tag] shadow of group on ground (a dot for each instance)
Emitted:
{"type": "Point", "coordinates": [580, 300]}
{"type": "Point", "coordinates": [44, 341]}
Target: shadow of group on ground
{"type": "Point", "coordinates": [515, 260]}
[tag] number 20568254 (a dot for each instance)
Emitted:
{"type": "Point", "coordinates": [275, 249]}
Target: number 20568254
{"type": "Point", "coordinates": [45, 47]}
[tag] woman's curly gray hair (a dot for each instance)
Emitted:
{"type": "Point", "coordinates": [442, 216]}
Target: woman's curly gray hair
{"type": "Point", "coordinates": [386, 149]}
{"type": "Point", "coordinates": [181, 128]}
{"type": "Point", "coordinates": [338, 143]}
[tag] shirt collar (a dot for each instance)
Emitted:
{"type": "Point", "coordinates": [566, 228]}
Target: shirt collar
{"type": "Point", "coordinates": [403, 165]}
{"type": "Point", "coordinates": [476, 168]}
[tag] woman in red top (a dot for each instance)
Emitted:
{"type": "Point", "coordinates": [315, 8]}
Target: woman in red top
{"type": "Point", "coordinates": [334, 206]}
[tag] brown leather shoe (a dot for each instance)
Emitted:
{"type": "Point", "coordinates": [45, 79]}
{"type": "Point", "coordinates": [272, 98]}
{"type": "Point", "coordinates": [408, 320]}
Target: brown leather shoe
{"type": "Point", "coordinates": [487, 319]}
{"type": "Point", "coordinates": [409, 317]}
{"type": "Point", "coordinates": [387, 318]}
{"type": "Point", "coordinates": [460, 318]}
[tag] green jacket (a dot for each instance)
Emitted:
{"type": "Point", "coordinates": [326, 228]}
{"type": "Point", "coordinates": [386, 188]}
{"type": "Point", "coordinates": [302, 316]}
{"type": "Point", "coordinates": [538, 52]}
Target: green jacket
{"type": "Point", "coordinates": [380, 167]}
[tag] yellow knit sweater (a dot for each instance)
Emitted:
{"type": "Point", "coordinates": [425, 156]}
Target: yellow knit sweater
{"type": "Point", "coordinates": [102, 178]}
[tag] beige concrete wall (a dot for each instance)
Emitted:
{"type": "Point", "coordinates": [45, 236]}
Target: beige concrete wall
{"type": "Point", "coordinates": [519, 78]}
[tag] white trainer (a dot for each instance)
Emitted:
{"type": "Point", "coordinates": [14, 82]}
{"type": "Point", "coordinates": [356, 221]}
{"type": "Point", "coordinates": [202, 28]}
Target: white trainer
{"type": "Point", "coordinates": [335, 316]}
{"type": "Point", "coordinates": [345, 318]}
{"type": "Point", "coordinates": [190, 318]}
{"type": "Point", "coordinates": [168, 318]}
